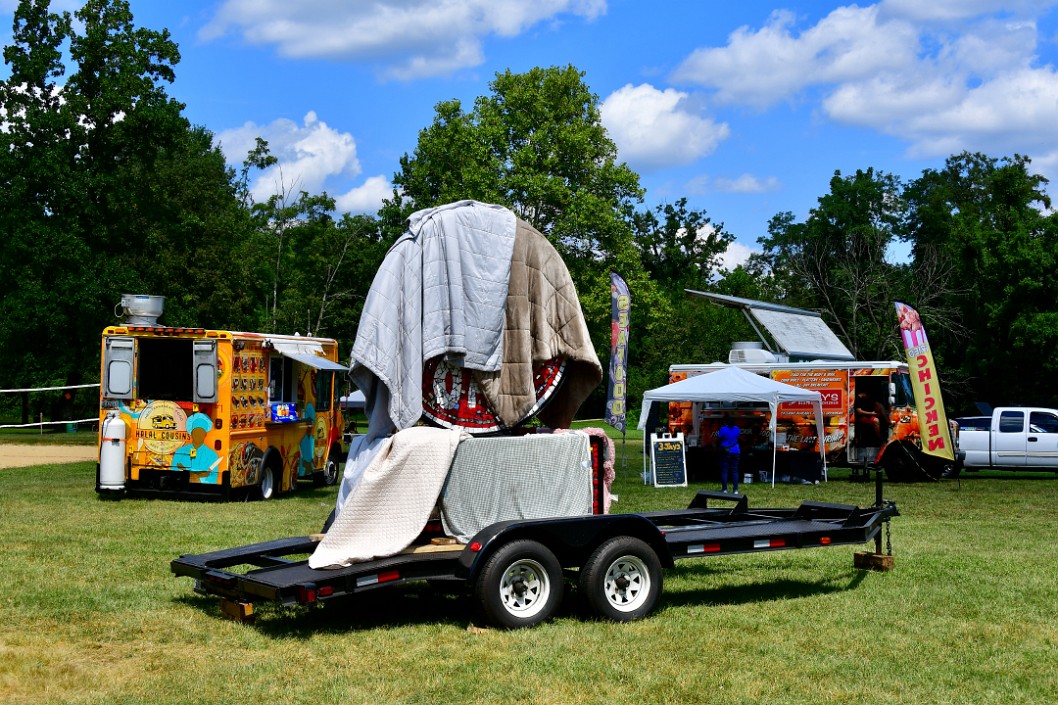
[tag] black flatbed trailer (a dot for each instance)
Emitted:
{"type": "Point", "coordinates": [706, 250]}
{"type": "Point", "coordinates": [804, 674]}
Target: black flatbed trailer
{"type": "Point", "coordinates": [515, 569]}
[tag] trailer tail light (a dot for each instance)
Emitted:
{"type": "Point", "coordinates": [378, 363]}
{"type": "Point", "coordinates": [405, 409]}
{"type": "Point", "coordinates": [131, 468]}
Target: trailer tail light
{"type": "Point", "coordinates": [385, 576]}
{"type": "Point", "coordinates": [704, 548]}
{"type": "Point", "coordinates": [307, 593]}
{"type": "Point", "coordinates": [219, 578]}
{"type": "Point", "coordinates": [769, 543]}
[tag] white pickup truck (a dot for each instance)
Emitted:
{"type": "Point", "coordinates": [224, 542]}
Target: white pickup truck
{"type": "Point", "coordinates": [1012, 438]}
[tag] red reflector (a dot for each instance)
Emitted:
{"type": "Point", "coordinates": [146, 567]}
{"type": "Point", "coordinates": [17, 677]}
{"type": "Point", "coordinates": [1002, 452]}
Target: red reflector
{"type": "Point", "coordinates": [325, 591]}
{"type": "Point", "coordinates": [388, 576]}
{"type": "Point", "coordinates": [777, 543]}
{"type": "Point", "coordinates": [825, 540]}
{"type": "Point", "coordinates": [475, 546]}
{"type": "Point", "coordinates": [710, 548]}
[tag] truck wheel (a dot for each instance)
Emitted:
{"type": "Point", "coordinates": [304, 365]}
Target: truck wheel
{"type": "Point", "coordinates": [520, 585]}
{"type": "Point", "coordinates": [622, 579]}
{"type": "Point", "coordinates": [266, 489]}
{"type": "Point", "coordinates": [327, 477]}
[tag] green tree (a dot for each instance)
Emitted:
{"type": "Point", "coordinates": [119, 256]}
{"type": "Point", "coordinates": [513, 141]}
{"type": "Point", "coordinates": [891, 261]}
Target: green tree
{"type": "Point", "coordinates": [679, 246]}
{"type": "Point", "coordinates": [320, 269]}
{"type": "Point", "coordinates": [537, 146]}
{"type": "Point", "coordinates": [105, 188]}
{"type": "Point", "coordinates": [835, 261]}
{"type": "Point", "coordinates": [983, 225]}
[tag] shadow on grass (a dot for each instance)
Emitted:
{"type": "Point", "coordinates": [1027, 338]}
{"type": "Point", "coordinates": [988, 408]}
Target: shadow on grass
{"type": "Point", "coordinates": [763, 590]}
{"type": "Point", "coordinates": [398, 606]}
{"type": "Point", "coordinates": [415, 605]}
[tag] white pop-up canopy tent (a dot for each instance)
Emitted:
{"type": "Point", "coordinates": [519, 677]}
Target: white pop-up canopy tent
{"type": "Point", "coordinates": [733, 384]}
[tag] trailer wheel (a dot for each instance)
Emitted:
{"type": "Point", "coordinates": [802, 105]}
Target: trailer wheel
{"type": "Point", "coordinates": [622, 579]}
{"type": "Point", "coordinates": [328, 477]}
{"type": "Point", "coordinates": [520, 585]}
{"type": "Point", "coordinates": [266, 488]}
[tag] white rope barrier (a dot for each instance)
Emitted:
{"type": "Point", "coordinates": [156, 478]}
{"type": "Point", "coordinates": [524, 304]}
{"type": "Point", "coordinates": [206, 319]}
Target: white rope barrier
{"type": "Point", "coordinates": [42, 423]}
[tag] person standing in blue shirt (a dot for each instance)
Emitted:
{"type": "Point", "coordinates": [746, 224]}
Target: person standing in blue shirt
{"type": "Point", "coordinates": [727, 437]}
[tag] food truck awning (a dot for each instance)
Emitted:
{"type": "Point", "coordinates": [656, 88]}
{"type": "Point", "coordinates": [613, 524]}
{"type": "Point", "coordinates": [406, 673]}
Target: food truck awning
{"type": "Point", "coordinates": [307, 353]}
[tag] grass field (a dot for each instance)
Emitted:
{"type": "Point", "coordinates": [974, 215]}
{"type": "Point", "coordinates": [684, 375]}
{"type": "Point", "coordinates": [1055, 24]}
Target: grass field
{"type": "Point", "coordinates": [91, 614]}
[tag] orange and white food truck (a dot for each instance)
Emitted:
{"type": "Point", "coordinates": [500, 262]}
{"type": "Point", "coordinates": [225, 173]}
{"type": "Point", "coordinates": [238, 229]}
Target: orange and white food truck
{"type": "Point", "coordinates": [869, 412]}
{"type": "Point", "coordinates": [869, 417]}
{"type": "Point", "coordinates": [194, 411]}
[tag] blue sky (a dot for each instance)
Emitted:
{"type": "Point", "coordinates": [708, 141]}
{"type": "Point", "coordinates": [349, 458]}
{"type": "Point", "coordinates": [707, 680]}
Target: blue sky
{"type": "Point", "coordinates": [746, 109]}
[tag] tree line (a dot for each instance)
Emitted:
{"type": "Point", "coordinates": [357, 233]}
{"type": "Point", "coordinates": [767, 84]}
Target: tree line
{"type": "Point", "coordinates": [107, 188]}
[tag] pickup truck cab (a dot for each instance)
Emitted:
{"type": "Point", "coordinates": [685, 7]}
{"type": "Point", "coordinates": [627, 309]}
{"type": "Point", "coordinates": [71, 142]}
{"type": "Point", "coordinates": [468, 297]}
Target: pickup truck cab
{"type": "Point", "coordinates": [1011, 438]}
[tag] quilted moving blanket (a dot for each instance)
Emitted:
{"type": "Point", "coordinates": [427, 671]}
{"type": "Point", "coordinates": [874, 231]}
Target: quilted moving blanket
{"type": "Point", "coordinates": [543, 320]}
{"type": "Point", "coordinates": [393, 499]}
{"type": "Point", "coordinates": [528, 477]}
{"type": "Point", "coordinates": [440, 289]}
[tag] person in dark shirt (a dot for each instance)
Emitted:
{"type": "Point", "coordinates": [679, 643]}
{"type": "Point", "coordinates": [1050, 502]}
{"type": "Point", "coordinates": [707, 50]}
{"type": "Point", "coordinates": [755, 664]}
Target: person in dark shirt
{"type": "Point", "coordinates": [727, 438]}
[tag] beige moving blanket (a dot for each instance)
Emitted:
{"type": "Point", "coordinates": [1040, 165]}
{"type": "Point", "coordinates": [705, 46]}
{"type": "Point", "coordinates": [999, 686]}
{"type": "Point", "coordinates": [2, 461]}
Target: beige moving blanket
{"type": "Point", "coordinates": [393, 500]}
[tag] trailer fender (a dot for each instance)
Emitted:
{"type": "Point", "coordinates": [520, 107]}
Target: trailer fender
{"type": "Point", "coordinates": [572, 540]}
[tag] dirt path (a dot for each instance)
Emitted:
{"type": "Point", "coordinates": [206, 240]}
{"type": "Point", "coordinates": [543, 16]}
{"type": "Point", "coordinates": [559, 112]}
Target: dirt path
{"type": "Point", "coordinates": [18, 455]}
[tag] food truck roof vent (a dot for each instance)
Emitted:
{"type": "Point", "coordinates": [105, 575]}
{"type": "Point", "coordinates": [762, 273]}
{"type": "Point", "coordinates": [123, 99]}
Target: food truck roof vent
{"type": "Point", "coordinates": [140, 310]}
{"type": "Point", "coordinates": [749, 353]}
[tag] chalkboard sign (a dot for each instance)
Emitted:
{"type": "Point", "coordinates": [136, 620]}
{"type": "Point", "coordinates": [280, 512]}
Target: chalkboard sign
{"type": "Point", "coordinates": [668, 460]}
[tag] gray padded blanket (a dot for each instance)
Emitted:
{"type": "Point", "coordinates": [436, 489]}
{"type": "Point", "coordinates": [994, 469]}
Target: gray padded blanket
{"type": "Point", "coordinates": [528, 477]}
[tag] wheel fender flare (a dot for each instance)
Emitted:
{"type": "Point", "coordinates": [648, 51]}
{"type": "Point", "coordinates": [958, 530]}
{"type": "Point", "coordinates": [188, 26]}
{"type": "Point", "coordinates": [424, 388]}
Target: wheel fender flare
{"type": "Point", "coordinates": [572, 540]}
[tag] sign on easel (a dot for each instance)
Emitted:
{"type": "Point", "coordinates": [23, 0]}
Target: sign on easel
{"type": "Point", "coordinates": [668, 460]}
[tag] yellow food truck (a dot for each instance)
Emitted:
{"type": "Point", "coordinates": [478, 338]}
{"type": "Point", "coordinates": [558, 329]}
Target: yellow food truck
{"type": "Point", "coordinates": [193, 411]}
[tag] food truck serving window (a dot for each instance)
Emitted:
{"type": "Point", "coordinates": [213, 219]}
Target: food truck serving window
{"type": "Point", "coordinates": [281, 380]}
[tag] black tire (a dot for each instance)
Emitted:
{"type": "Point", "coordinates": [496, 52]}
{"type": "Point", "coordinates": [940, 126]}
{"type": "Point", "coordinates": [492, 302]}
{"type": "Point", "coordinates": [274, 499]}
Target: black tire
{"type": "Point", "coordinates": [519, 586]}
{"type": "Point", "coordinates": [622, 579]}
{"type": "Point", "coordinates": [328, 477]}
{"type": "Point", "coordinates": [904, 462]}
{"type": "Point", "coordinates": [266, 488]}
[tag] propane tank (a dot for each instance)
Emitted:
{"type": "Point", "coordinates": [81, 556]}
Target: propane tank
{"type": "Point", "coordinates": [112, 454]}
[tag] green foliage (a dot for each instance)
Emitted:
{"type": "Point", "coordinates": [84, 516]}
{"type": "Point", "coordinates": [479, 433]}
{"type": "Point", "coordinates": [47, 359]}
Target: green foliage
{"type": "Point", "coordinates": [106, 189]}
{"type": "Point", "coordinates": [835, 261]}
{"type": "Point", "coordinates": [980, 228]}
{"type": "Point", "coordinates": [537, 146]}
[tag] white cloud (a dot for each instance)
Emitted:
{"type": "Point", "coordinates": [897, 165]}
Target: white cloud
{"type": "Point", "coordinates": [951, 10]}
{"type": "Point", "coordinates": [403, 39]}
{"type": "Point", "coordinates": [308, 154]}
{"type": "Point", "coordinates": [764, 67]}
{"type": "Point", "coordinates": [654, 128]}
{"type": "Point", "coordinates": [943, 76]}
{"type": "Point", "coordinates": [736, 254]}
{"type": "Point", "coordinates": [746, 183]}
{"type": "Point", "coordinates": [366, 198]}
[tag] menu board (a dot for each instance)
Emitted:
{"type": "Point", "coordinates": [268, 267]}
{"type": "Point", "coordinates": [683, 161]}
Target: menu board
{"type": "Point", "coordinates": [668, 460]}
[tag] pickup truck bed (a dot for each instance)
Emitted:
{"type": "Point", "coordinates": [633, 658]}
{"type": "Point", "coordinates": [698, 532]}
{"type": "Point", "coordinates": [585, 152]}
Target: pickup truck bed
{"type": "Point", "coordinates": [278, 570]}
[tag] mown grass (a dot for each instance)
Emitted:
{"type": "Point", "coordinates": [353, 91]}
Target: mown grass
{"type": "Point", "coordinates": [50, 436]}
{"type": "Point", "coordinates": [91, 613]}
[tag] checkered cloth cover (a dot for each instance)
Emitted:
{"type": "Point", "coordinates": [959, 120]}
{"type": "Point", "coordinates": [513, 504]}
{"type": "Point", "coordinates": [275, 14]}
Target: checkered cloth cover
{"type": "Point", "coordinates": [528, 477]}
